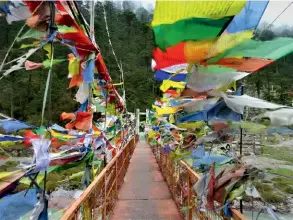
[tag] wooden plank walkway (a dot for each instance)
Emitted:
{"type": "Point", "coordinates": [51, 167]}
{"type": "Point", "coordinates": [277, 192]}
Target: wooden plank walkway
{"type": "Point", "coordinates": [144, 193]}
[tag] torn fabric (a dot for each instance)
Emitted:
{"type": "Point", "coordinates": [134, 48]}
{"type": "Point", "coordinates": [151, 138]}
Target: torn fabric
{"type": "Point", "coordinates": [83, 93]}
{"type": "Point", "coordinates": [237, 103]}
{"type": "Point", "coordinates": [29, 65]}
{"type": "Point", "coordinates": [202, 78]}
{"type": "Point", "coordinates": [280, 117]}
{"type": "Point", "coordinates": [41, 147]}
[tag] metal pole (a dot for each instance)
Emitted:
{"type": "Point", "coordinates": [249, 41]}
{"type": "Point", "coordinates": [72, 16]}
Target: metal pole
{"type": "Point", "coordinates": [137, 121]}
{"type": "Point", "coordinates": [147, 112]}
{"type": "Point", "coordinates": [241, 134]}
{"type": "Point", "coordinates": [92, 21]}
{"type": "Point", "coordinates": [241, 130]}
{"type": "Point", "coordinates": [51, 29]}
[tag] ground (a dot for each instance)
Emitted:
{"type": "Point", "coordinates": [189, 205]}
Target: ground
{"type": "Point", "coordinates": [277, 186]}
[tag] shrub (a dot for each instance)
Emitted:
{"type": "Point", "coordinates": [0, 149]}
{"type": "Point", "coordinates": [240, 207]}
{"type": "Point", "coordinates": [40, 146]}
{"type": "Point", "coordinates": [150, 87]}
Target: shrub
{"type": "Point", "coordinates": [273, 197]}
{"type": "Point", "coordinates": [283, 180]}
{"type": "Point", "coordinates": [284, 187]}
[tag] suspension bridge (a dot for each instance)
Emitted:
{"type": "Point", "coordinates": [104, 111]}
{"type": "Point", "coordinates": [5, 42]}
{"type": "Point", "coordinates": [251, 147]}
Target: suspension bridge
{"type": "Point", "coordinates": [142, 183]}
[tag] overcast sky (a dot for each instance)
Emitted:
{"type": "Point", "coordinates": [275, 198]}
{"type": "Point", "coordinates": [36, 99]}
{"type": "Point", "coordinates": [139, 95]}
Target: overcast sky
{"type": "Point", "coordinates": [275, 8]}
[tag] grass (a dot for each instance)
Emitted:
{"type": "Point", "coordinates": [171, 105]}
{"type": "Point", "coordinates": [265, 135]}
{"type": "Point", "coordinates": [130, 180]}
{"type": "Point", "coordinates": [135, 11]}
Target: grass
{"type": "Point", "coordinates": [284, 184]}
{"type": "Point", "coordinates": [263, 187]}
{"type": "Point", "coordinates": [16, 146]}
{"type": "Point", "coordinates": [267, 181]}
{"type": "Point", "coordinates": [53, 180]}
{"type": "Point", "coordinates": [7, 165]}
{"type": "Point", "coordinates": [284, 188]}
{"type": "Point", "coordinates": [273, 197]}
{"type": "Point", "coordinates": [278, 153]}
{"type": "Point", "coordinates": [268, 193]}
{"type": "Point", "coordinates": [282, 171]}
{"type": "Point", "coordinates": [283, 180]}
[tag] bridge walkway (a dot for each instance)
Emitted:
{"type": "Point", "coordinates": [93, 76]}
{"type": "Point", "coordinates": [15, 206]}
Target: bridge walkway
{"type": "Point", "coordinates": [144, 193]}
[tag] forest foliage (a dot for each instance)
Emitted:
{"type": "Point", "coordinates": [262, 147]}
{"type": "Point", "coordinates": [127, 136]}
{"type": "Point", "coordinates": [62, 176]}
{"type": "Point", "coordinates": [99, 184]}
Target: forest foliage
{"type": "Point", "coordinates": [22, 92]}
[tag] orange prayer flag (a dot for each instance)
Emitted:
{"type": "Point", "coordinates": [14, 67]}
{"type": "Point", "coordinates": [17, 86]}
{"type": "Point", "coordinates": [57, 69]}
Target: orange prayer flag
{"type": "Point", "coordinates": [76, 80]}
{"type": "Point", "coordinates": [65, 116]}
{"type": "Point", "coordinates": [83, 121]}
{"type": "Point", "coordinates": [247, 65]}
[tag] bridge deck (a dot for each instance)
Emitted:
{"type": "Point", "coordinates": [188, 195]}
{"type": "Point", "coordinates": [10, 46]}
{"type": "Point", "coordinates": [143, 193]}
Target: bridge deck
{"type": "Point", "coordinates": [144, 193]}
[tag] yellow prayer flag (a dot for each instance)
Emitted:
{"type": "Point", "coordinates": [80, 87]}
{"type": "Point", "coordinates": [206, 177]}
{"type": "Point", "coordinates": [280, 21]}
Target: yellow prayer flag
{"type": "Point", "coordinates": [165, 110]}
{"type": "Point", "coordinates": [47, 47]}
{"type": "Point", "coordinates": [97, 133]}
{"type": "Point", "coordinates": [34, 44]}
{"type": "Point", "coordinates": [60, 135]}
{"type": "Point", "coordinates": [118, 84]}
{"type": "Point", "coordinates": [151, 134]}
{"type": "Point", "coordinates": [197, 124]}
{"type": "Point", "coordinates": [27, 181]}
{"type": "Point", "coordinates": [7, 174]}
{"type": "Point", "coordinates": [227, 41]}
{"type": "Point", "coordinates": [168, 12]}
{"type": "Point", "coordinates": [172, 119]}
{"type": "Point", "coordinates": [111, 109]}
{"type": "Point", "coordinates": [196, 51]}
{"type": "Point", "coordinates": [73, 66]}
{"type": "Point", "coordinates": [167, 84]}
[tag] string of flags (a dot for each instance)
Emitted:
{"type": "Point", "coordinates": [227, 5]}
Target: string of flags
{"type": "Point", "coordinates": [201, 50]}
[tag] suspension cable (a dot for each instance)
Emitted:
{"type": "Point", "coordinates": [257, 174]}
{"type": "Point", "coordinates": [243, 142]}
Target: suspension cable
{"type": "Point", "coordinates": [114, 54]}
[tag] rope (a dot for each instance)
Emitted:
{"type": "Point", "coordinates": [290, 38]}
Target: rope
{"type": "Point", "coordinates": [47, 84]}
{"type": "Point", "coordinates": [113, 51]}
{"type": "Point", "coordinates": [49, 78]}
{"type": "Point", "coordinates": [110, 43]}
{"type": "Point", "coordinates": [13, 42]}
{"type": "Point", "coordinates": [82, 19]}
{"type": "Point", "coordinates": [92, 21]}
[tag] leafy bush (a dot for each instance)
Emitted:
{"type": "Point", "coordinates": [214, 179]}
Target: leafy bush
{"type": "Point", "coordinates": [273, 197]}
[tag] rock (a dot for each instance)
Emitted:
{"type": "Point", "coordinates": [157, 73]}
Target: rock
{"type": "Point", "coordinates": [14, 153]}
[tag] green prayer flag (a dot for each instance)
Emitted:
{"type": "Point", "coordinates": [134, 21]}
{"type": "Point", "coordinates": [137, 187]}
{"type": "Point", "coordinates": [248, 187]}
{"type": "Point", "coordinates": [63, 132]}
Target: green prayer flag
{"type": "Point", "coordinates": [167, 35]}
{"type": "Point", "coordinates": [34, 44]}
{"type": "Point", "coordinates": [66, 29]}
{"type": "Point", "coordinates": [99, 107]}
{"type": "Point", "coordinates": [273, 49]}
{"type": "Point", "coordinates": [41, 131]}
{"type": "Point", "coordinates": [47, 62]}
{"type": "Point", "coordinates": [59, 168]}
{"type": "Point", "coordinates": [32, 33]}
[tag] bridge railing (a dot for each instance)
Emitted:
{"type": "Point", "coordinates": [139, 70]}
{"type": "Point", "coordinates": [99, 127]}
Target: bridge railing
{"type": "Point", "coordinates": [180, 179]}
{"type": "Point", "coordinates": [98, 200]}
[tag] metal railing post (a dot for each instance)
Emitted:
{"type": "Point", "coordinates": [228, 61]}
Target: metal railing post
{"type": "Point", "coordinates": [189, 197]}
{"type": "Point", "coordinates": [105, 198]}
{"type": "Point", "coordinates": [116, 178]}
{"type": "Point", "coordinates": [137, 121]}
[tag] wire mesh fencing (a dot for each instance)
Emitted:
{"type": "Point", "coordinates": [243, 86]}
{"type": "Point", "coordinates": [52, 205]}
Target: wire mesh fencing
{"type": "Point", "coordinates": [98, 200]}
{"type": "Point", "coordinates": [180, 178]}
